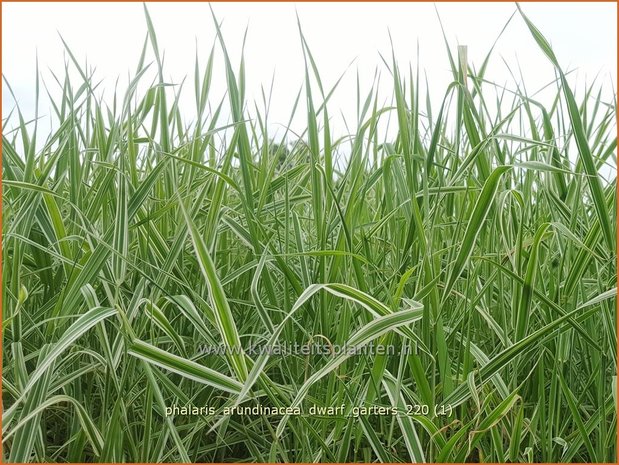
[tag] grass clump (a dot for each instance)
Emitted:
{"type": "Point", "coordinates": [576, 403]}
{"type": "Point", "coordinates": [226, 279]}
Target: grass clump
{"type": "Point", "coordinates": [479, 243]}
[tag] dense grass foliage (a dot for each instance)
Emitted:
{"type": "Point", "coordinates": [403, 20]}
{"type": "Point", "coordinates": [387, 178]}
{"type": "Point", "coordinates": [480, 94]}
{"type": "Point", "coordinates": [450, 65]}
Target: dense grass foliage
{"type": "Point", "coordinates": [479, 243]}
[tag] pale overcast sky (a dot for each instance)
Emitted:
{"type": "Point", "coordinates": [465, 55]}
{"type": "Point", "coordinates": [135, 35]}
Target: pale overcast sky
{"type": "Point", "coordinates": [110, 36]}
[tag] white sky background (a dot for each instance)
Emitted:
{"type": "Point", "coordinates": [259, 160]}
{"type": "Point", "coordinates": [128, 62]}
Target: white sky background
{"type": "Point", "coordinates": [111, 35]}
